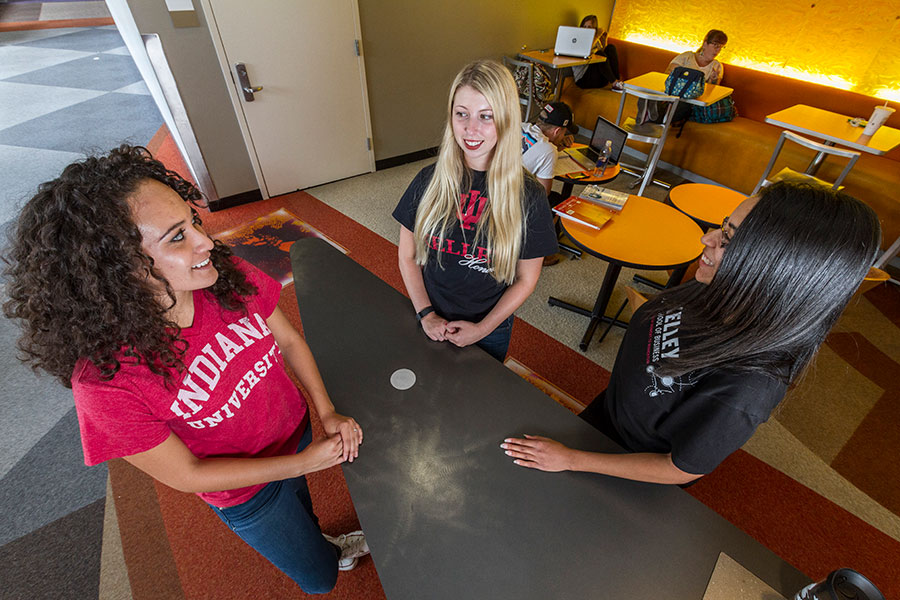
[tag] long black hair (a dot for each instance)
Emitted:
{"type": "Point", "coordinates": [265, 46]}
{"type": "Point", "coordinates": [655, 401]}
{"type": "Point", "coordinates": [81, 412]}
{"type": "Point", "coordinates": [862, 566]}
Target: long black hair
{"type": "Point", "coordinates": [77, 276]}
{"type": "Point", "coordinates": [785, 278]}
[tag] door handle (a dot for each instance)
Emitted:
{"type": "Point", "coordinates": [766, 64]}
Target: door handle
{"type": "Point", "coordinates": [244, 80]}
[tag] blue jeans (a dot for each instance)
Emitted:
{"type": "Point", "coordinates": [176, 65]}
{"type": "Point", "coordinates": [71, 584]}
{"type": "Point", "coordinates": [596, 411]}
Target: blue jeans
{"type": "Point", "coordinates": [496, 343]}
{"type": "Point", "coordinates": [279, 523]}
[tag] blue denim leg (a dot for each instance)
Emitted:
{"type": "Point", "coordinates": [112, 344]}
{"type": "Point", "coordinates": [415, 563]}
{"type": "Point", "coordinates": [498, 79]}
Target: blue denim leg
{"type": "Point", "coordinates": [496, 343]}
{"type": "Point", "coordinates": [279, 523]}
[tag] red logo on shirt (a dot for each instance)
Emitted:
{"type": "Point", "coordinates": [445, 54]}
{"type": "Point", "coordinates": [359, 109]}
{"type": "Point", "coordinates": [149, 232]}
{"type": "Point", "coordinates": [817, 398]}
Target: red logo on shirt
{"type": "Point", "coordinates": [471, 205]}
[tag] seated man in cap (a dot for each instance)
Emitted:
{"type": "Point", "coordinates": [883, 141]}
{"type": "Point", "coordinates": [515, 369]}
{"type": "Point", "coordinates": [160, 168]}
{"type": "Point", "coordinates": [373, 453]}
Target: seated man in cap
{"type": "Point", "coordinates": [542, 140]}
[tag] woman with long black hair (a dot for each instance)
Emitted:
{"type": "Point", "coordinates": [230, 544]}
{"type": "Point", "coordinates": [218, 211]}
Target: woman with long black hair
{"type": "Point", "coordinates": [703, 364]}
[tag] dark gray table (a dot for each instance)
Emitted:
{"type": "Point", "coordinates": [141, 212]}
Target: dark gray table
{"type": "Point", "coordinates": [446, 513]}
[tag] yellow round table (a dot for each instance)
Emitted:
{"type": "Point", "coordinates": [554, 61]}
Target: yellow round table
{"type": "Point", "coordinates": [705, 203]}
{"type": "Point", "coordinates": [646, 234]}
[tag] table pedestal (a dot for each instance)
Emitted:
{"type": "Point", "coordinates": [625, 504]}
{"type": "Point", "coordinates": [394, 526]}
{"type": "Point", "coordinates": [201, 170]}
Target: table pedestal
{"type": "Point", "coordinates": [598, 313]}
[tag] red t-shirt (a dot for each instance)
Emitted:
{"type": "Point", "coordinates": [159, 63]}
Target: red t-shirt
{"type": "Point", "coordinates": [234, 399]}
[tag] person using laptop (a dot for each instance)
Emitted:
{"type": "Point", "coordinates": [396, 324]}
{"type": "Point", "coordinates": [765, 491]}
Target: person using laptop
{"type": "Point", "coordinates": [600, 74]}
{"type": "Point", "coordinates": [703, 364]}
{"type": "Point", "coordinates": [474, 227]}
{"type": "Point", "coordinates": [542, 140]}
{"type": "Point", "coordinates": [704, 59]}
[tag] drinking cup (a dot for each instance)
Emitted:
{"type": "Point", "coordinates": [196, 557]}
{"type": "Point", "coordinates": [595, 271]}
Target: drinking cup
{"type": "Point", "coordinates": [879, 116]}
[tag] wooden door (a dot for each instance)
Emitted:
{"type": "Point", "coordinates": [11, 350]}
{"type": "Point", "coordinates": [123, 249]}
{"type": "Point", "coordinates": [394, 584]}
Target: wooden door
{"type": "Point", "coordinates": [310, 122]}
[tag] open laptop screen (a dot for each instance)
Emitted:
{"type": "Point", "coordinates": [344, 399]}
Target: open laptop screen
{"type": "Point", "coordinates": [574, 41]}
{"type": "Point", "coordinates": [606, 130]}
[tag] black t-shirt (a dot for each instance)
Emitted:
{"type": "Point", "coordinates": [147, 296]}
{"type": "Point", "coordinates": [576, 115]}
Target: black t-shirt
{"type": "Point", "coordinates": [700, 417]}
{"type": "Point", "coordinates": [457, 274]}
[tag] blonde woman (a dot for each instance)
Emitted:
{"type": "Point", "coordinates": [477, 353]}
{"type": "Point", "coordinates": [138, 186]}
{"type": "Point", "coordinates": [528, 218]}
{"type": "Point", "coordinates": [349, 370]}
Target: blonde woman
{"type": "Point", "coordinates": [474, 227]}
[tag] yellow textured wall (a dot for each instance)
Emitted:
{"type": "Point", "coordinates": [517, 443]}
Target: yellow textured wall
{"type": "Point", "coordinates": [849, 45]}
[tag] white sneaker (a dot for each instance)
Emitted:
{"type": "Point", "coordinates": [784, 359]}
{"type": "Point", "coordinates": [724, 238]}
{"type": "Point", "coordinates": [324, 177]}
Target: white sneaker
{"type": "Point", "coordinates": [352, 545]}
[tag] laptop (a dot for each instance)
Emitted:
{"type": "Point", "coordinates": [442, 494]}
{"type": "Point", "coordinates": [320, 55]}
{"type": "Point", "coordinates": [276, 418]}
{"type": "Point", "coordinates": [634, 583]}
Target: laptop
{"type": "Point", "coordinates": [603, 130]}
{"type": "Point", "coordinates": [574, 41]}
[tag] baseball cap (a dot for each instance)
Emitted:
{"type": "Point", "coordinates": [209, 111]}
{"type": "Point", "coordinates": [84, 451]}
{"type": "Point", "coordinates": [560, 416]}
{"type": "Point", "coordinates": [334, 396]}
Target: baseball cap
{"type": "Point", "coordinates": [559, 114]}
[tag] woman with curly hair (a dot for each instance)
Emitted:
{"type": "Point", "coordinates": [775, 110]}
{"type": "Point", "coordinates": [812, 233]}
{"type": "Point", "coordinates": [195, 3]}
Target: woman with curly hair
{"type": "Point", "coordinates": [175, 351]}
{"type": "Point", "coordinates": [475, 226]}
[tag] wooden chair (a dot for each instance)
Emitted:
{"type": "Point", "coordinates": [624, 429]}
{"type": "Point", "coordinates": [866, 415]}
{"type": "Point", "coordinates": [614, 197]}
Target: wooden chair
{"type": "Point", "coordinates": [821, 151]}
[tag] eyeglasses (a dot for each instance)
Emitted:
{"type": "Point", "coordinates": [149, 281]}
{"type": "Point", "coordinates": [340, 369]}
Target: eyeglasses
{"type": "Point", "coordinates": [717, 46]}
{"type": "Point", "coordinates": [726, 237]}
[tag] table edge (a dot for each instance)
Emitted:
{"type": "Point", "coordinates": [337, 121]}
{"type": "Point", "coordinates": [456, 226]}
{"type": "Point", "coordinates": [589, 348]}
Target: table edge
{"type": "Point", "coordinates": [625, 263]}
{"type": "Point", "coordinates": [827, 138]}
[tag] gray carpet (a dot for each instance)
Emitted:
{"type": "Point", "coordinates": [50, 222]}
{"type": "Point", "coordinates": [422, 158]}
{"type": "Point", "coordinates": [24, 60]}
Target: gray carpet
{"type": "Point", "coordinates": [63, 93]}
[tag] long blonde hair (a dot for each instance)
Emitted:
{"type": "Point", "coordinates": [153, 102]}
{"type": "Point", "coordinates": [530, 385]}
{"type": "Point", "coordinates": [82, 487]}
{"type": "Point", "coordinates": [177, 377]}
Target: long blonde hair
{"type": "Point", "coordinates": [501, 229]}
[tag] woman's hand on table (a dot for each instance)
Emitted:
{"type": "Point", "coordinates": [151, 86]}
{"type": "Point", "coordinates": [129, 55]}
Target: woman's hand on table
{"type": "Point", "coordinates": [348, 430]}
{"type": "Point", "coordinates": [434, 326]}
{"type": "Point", "coordinates": [464, 333]}
{"type": "Point", "coordinates": [538, 452]}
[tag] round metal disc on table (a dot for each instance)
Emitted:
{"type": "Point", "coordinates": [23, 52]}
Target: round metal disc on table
{"type": "Point", "coordinates": [403, 379]}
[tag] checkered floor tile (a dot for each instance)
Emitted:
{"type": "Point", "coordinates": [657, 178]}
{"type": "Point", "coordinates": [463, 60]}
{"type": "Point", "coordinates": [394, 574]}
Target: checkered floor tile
{"type": "Point", "coordinates": [65, 93]}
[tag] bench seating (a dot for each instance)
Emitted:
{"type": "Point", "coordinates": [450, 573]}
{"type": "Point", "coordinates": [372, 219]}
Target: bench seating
{"type": "Point", "coordinates": [735, 154]}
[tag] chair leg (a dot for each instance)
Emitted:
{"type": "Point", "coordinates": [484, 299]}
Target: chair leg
{"type": "Point", "coordinates": [651, 168]}
{"type": "Point", "coordinates": [888, 255]}
{"type": "Point", "coordinates": [612, 322]}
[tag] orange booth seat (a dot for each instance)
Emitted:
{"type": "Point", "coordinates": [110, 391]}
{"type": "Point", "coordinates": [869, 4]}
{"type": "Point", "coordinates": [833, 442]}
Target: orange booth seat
{"type": "Point", "coordinates": [735, 154]}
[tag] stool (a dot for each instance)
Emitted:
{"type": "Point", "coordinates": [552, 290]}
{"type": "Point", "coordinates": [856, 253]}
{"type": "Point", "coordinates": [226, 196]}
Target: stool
{"type": "Point", "coordinates": [706, 204]}
{"type": "Point", "coordinates": [874, 277]}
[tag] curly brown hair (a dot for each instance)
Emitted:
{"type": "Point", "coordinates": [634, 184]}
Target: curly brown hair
{"type": "Point", "coordinates": [77, 275]}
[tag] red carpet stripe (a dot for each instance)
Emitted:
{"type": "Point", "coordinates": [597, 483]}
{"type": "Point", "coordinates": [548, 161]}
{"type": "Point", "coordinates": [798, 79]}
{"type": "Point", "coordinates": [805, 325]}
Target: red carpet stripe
{"type": "Point", "coordinates": [145, 545]}
{"type": "Point", "coordinates": [886, 298]}
{"type": "Point", "coordinates": [866, 358]}
{"type": "Point", "coordinates": [869, 459]}
{"type": "Point", "coordinates": [58, 24]}
{"type": "Point", "coordinates": [805, 529]}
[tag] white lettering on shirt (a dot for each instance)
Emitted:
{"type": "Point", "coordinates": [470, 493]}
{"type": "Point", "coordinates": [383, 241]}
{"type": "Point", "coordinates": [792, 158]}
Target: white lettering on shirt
{"type": "Point", "coordinates": [207, 369]}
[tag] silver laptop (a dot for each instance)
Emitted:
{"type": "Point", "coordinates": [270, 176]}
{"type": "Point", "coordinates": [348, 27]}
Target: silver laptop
{"type": "Point", "coordinates": [574, 41]}
{"type": "Point", "coordinates": [603, 130]}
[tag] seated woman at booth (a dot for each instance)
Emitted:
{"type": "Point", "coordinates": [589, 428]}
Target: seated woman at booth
{"type": "Point", "coordinates": [600, 74]}
{"type": "Point", "coordinates": [704, 59]}
{"type": "Point", "coordinates": [475, 226]}
{"type": "Point", "coordinates": [702, 365]}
